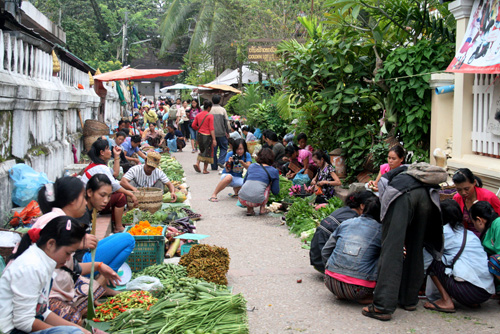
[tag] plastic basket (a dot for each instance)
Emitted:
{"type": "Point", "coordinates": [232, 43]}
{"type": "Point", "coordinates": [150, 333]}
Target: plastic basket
{"type": "Point", "coordinates": [149, 250]}
{"type": "Point", "coordinates": [186, 248]}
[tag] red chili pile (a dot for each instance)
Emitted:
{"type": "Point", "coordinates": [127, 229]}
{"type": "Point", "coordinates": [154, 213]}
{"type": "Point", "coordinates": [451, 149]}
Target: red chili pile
{"type": "Point", "coordinates": [118, 304]}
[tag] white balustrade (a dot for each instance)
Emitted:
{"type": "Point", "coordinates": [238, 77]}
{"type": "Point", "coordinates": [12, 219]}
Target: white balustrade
{"type": "Point", "coordinates": [483, 141]}
{"type": "Point", "coordinates": [21, 58]}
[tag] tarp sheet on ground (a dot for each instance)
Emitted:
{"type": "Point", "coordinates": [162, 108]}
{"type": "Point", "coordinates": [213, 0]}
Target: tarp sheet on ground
{"type": "Point", "coordinates": [480, 48]}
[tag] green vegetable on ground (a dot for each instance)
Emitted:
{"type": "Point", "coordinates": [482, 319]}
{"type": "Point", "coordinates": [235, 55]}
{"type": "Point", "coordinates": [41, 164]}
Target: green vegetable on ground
{"type": "Point", "coordinates": [224, 314]}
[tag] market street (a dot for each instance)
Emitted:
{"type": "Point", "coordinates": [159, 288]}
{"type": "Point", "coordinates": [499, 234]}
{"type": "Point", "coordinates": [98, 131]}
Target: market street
{"type": "Point", "coordinates": [267, 264]}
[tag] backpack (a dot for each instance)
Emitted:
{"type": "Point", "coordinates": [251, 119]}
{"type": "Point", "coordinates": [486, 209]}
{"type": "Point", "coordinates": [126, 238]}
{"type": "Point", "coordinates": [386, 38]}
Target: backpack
{"type": "Point", "coordinates": [426, 173]}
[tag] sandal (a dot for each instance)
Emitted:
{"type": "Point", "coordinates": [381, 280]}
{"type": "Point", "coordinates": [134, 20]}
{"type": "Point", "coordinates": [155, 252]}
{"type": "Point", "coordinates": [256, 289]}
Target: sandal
{"type": "Point", "coordinates": [232, 195]}
{"type": "Point", "coordinates": [197, 168]}
{"type": "Point", "coordinates": [372, 313]}
{"type": "Point", "coordinates": [439, 309]}
{"type": "Point", "coordinates": [213, 199]}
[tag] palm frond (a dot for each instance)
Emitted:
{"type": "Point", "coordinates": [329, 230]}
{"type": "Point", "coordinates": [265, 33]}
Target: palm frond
{"type": "Point", "coordinates": [204, 21]}
{"type": "Point", "coordinates": [175, 19]}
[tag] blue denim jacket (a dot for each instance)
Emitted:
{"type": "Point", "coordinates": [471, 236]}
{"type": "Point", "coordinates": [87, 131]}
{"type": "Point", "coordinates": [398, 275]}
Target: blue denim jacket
{"type": "Point", "coordinates": [357, 248]}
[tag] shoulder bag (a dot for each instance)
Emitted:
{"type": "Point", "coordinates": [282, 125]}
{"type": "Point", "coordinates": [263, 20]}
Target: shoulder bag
{"type": "Point", "coordinates": [268, 175]}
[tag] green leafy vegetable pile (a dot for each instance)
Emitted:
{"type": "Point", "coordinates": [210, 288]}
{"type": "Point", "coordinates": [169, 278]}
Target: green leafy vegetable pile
{"type": "Point", "coordinates": [158, 218]}
{"type": "Point", "coordinates": [170, 166]}
{"type": "Point", "coordinates": [302, 216]}
{"type": "Point", "coordinates": [285, 185]}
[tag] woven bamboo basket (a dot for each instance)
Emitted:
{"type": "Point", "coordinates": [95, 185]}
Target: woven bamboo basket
{"type": "Point", "coordinates": [150, 199]}
{"type": "Point", "coordinates": [89, 140]}
{"type": "Point", "coordinates": [94, 128]}
{"type": "Point", "coordinates": [447, 192]}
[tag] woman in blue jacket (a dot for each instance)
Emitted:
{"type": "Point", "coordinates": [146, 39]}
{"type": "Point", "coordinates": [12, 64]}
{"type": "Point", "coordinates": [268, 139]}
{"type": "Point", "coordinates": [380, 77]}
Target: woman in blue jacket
{"type": "Point", "coordinates": [351, 269]}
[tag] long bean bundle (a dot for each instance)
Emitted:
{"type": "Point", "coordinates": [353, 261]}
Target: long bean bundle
{"type": "Point", "coordinates": [223, 314]}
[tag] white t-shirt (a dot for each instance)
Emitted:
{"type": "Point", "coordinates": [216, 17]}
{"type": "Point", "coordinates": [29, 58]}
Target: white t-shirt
{"type": "Point", "coordinates": [24, 290]}
{"type": "Point", "coordinates": [101, 169]}
{"type": "Point", "coordinates": [138, 174]}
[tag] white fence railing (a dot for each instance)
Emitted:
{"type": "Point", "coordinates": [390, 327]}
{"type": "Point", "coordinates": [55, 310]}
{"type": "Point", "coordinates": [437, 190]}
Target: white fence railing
{"type": "Point", "coordinates": [483, 141]}
{"type": "Point", "coordinates": [17, 56]}
{"type": "Point", "coordinates": [21, 58]}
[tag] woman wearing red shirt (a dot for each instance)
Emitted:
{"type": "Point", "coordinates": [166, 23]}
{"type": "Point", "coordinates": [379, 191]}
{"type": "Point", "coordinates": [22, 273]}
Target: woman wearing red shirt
{"type": "Point", "coordinates": [204, 124]}
{"type": "Point", "coordinates": [469, 191]}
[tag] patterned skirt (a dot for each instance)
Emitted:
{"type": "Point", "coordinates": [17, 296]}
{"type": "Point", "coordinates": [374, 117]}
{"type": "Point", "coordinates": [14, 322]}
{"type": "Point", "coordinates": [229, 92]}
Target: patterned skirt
{"type": "Point", "coordinates": [73, 311]}
{"type": "Point", "coordinates": [348, 291]}
{"type": "Point", "coordinates": [254, 205]}
{"type": "Point", "coordinates": [205, 145]}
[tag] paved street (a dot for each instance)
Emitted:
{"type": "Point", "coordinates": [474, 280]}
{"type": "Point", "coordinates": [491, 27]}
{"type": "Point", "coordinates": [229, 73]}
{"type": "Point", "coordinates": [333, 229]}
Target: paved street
{"type": "Point", "coordinates": [267, 262]}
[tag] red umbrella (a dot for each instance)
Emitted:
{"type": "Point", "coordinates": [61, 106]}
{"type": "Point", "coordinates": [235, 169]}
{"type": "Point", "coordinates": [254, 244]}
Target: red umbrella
{"type": "Point", "coordinates": [128, 73]}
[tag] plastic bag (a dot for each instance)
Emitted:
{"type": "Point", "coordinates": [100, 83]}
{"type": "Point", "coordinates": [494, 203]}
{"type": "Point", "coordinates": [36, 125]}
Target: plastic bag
{"type": "Point", "coordinates": [172, 144]}
{"type": "Point", "coordinates": [27, 182]}
{"type": "Point", "coordinates": [145, 283]}
{"type": "Point", "coordinates": [32, 210]}
{"type": "Point", "coordinates": [301, 178]}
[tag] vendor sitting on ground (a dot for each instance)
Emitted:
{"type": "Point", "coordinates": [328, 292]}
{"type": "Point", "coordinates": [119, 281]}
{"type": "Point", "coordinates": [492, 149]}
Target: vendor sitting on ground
{"type": "Point", "coordinates": [466, 278]}
{"type": "Point", "coordinates": [302, 142]}
{"type": "Point", "coordinates": [232, 175]}
{"type": "Point", "coordinates": [326, 179]}
{"type": "Point", "coordinates": [487, 223]}
{"type": "Point", "coordinates": [249, 136]}
{"type": "Point", "coordinates": [150, 115]}
{"type": "Point", "coordinates": [354, 205]}
{"type": "Point", "coordinates": [122, 127]}
{"type": "Point", "coordinates": [172, 133]}
{"type": "Point", "coordinates": [300, 158]}
{"type": "Point", "coordinates": [351, 268]}
{"type": "Point", "coordinates": [395, 158]}
{"type": "Point", "coordinates": [153, 136]}
{"type": "Point", "coordinates": [261, 178]}
{"type": "Point", "coordinates": [100, 154]}
{"type": "Point", "coordinates": [148, 175]}
{"type": "Point", "coordinates": [132, 151]}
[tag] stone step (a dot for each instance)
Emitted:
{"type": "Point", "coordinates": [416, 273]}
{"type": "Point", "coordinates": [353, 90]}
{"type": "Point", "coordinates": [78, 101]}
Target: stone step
{"type": "Point", "coordinates": [341, 193]}
{"type": "Point", "coordinates": [103, 228]}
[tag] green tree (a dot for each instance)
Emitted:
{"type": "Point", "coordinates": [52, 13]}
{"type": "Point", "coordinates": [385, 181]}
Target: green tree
{"type": "Point", "coordinates": [95, 33]}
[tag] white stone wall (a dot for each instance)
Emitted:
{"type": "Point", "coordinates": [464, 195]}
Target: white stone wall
{"type": "Point", "coordinates": [38, 112]}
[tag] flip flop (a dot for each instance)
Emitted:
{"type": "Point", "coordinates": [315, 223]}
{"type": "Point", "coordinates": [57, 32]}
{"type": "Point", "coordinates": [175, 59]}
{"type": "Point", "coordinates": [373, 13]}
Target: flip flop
{"type": "Point", "coordinates": [232, 195]}
{"type": "Point", "coordinates": [371, 313]}
{"type": "Point", "coordinates": [439, 309]}
{"type": "Point", "coordinates": [206, 172]}
{"type": "Point", "coordinates": [213, 199]}
{"type": "Point", "coordinates": [250, 213]}
{"type": "Point", "coordinates": [197, 168]}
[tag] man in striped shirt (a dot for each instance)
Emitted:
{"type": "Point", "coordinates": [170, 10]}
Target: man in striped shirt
{"type": "Point", "coordinates": [148, 175]}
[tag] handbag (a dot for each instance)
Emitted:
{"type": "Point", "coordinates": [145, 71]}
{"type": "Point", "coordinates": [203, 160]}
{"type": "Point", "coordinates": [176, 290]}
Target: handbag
{"type": "Point", "coordinates": [203, 120]}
